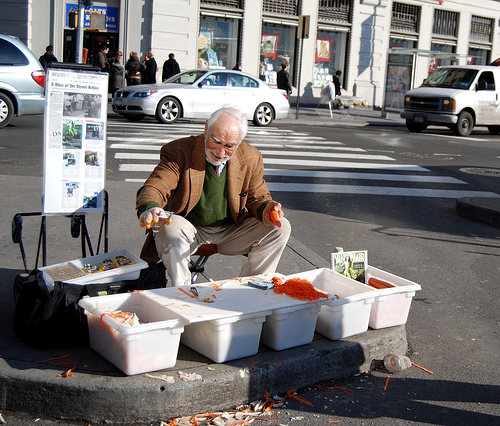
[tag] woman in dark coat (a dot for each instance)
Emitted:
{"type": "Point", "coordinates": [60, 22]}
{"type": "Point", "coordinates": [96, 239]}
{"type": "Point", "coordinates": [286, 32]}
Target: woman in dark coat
{"type": "Point", "coordinates": [116, 72]}
{"type": "Point", "coordinates": [134, 67]}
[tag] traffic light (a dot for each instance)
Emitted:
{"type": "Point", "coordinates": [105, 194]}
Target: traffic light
{"type": "Point", "coordinates": [303, 29]}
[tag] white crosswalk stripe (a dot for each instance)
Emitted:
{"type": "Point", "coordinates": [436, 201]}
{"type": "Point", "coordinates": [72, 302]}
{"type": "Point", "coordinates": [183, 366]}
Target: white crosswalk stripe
{"type": "Point", "coordinates": [294, 162]}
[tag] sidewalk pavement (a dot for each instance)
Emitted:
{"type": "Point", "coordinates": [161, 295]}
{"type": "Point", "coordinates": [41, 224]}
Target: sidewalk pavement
{"type": "Point", "coordinates": [99, 392]}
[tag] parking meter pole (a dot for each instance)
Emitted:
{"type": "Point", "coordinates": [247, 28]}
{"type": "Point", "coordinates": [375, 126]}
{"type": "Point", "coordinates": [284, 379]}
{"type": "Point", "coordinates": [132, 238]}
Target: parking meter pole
{"type": "Point", "coordinates": [298, 83]}
{"type": "Point", "coordinates": [79, 33]}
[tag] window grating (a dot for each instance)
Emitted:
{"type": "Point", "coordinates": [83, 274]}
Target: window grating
{"type": "Point", "coordinates": [283, 7]}
{"type": "Point", "coordinates": [445, 23]}
{"type": "Point", "coordinates": [481, 29]}
{"type": "Point", "coordinates": [405, 18]}
{"type": "Point", "coordinates": [334, 10]}
{"type": "Point", "coordinates": [235, 4]}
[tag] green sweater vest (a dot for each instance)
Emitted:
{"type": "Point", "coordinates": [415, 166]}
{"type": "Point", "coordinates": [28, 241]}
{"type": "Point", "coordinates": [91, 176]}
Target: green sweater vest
{"type": "Point", "coordinates": [212, 208]}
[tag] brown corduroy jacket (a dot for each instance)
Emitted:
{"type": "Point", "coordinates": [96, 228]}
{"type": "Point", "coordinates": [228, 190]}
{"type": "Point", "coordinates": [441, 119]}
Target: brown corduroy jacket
{"type": "Point", "coordinates": [177, 181]}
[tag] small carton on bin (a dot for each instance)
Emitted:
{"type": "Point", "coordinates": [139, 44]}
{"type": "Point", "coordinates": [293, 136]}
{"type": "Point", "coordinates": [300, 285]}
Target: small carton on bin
{"type": "Point", "coordinates": [392, 305]}
{"type": "Point", "coordinates": [103, 268]}
{"type": "Point", "coordinates": [349, 314]}
{"type": "Point", "coordinates": [151, 345]}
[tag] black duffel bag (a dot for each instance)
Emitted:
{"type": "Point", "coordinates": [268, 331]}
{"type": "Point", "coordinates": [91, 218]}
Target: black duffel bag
{"type": "Point", "coordinates": [49, 319]}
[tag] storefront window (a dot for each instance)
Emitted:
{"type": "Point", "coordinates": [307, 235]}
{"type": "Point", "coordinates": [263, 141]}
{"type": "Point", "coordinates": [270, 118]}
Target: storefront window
{"type": "Point", "coordinates": [399, 71]}
{"type": "Point", "coordinates": [479, 56]}
{"type": "Point", "coordinates": [440, 62]}
{"type": "Point", "coordinates": [277, 46]}
{"type": "Point", "coordinates": [218, 42]}
{"type": "Point", "coordinates": [330, 56]}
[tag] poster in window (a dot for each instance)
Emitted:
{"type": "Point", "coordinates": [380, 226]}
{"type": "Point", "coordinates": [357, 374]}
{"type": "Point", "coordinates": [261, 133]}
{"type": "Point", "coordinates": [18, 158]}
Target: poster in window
{"type": "Point", "coordinates": [324, 49]}
{"type": "Point", "coordinates": [212, 58]}
{"type": "Point", "coordinates": [269, 45]}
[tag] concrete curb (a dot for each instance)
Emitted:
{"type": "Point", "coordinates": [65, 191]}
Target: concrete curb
{"type": "Point", "coordinates": [108, 395]}
{"type": "Point", "coordinates": [486, 210]}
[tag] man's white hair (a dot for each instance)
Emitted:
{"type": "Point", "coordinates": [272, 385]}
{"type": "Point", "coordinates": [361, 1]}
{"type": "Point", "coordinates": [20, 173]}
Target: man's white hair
{"type": "Point", "coordinates": [233, 112]}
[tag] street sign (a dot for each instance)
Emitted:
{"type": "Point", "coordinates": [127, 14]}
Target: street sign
{"type": "Point", "coordinates": [303, 29]}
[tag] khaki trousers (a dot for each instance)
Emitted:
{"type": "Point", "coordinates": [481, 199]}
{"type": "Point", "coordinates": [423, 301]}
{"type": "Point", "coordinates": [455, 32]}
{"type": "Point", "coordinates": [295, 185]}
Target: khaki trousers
{"type": "Point", "coordinates": [263, 244]}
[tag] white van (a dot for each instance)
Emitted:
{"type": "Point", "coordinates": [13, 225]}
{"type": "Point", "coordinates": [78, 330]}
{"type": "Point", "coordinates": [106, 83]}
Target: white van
{"type": "Point", "coordinates": [459, 97]}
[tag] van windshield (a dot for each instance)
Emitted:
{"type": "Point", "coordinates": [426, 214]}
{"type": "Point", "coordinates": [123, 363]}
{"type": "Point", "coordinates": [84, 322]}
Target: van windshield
{"type": "Point", "coordinates": [456, 78]}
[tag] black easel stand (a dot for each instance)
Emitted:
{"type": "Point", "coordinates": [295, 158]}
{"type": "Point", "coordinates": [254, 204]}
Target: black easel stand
{"type": "Point", "coordinates": [78, 229]}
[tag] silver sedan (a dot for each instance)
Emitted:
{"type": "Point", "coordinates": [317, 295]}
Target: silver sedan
{"type": "Point", "coordinates": [198, 93]}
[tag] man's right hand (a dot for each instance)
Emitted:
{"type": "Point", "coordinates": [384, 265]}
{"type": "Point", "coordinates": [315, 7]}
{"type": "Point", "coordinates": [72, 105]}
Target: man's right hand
{"type": "Point", "coordinates": [151, 217]}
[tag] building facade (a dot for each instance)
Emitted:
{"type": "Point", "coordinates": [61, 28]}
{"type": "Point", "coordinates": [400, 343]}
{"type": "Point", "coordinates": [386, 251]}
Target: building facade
{"type": "Point", "coordinates": [383, 47]}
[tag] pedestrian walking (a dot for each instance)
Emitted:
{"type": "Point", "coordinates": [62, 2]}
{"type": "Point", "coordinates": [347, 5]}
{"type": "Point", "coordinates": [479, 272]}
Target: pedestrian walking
{"type": "Point", "coordinates": [283, 79]}
{"type": "Point", "coordinates": [170, 67]}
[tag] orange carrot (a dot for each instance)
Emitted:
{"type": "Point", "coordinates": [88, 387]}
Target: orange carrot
{"type": "Point", "coordinates": [378, 284]}
{"type": "Point", "coordinates": [422, 368]}
{"type": "Point", "coordinates": [275, 217]}
{"type": "Point", "coordinates": [189, 294]}
{"type": "Point", "coordinates": [387, 382]}
{"type": "Point", "coordinates": [290, 394]}
{"type": "Point", "coordinates": [52, 359]}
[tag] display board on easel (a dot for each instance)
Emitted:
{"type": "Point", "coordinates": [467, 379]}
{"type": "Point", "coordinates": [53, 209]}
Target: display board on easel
{"type": "Point", "coordinates": [74, 142]}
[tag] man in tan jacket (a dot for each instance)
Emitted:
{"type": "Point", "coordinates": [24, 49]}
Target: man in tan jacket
{"type": "Point", "coordinates": [214, 183]}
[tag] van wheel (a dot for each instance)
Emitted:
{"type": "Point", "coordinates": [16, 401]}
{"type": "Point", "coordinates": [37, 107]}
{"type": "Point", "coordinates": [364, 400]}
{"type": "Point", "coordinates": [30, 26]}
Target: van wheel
{"type": "Point", "coordinates": [494, 130]}
{"type": "Point", "coordinates": [6, 110]}
{"type": "Point", "coordinates": [464, 124]}
{"type": "Point", "coordinates": [415, 127]}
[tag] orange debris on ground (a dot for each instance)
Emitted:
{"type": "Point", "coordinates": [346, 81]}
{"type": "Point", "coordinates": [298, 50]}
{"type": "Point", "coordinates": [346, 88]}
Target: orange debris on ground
{"type": "Point", "coordinates": [300, 289]}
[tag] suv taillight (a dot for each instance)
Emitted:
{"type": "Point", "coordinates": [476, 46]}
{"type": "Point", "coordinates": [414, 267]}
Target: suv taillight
{"type": "Point", "coordinates": [39, 77]}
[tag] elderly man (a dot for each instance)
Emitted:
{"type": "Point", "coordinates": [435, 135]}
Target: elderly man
{"type": "Point", "coordinates": [214, 183]}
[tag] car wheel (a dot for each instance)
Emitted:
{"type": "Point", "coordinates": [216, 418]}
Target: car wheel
{"type": "Point", "coordinates": [6, 110]}
{"type": "Point", "coordinates": [168, 110]}
{"type": "Point", "coordinates": [494, 130]}
{"type": "Point", "coordinates": [415, 127]}
{"type": "Point", "coordinates": [464, 124]}
{"type": "Point", "coordinates": [263, 115]}
{"type": "Point", "coordinates": [134, 117]}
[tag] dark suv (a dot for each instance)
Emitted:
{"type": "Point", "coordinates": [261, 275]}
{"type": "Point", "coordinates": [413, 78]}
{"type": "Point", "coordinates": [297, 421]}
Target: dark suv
{"type": "Point", "coordinates": [22, 80]}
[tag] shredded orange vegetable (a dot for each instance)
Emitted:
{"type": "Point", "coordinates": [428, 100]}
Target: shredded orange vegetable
{"type": "Point", "coordinates": [68, 373]}
{"type": "Point", "coordinates": [290, 394]}
{"type": "Point", "coordinates": [387, 382]}
{"type": "Point", "coordinates": [118, 316]}
{"type": "Point", "coordinates": [184, 291]}
{"type": "Point", "coordinates": [300, 289]}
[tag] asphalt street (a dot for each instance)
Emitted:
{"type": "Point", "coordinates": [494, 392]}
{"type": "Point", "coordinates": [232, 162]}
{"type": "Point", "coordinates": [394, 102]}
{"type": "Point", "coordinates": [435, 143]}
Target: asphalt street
{"type": "Point", "coordinates": [461, 390]}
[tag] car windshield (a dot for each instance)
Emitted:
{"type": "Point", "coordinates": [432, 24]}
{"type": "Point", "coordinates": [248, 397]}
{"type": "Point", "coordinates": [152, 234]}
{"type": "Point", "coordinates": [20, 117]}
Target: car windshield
{"type": "Point", "coordinates": [456, 78]}
{"type": "Point", "coordinates": [187, 77]}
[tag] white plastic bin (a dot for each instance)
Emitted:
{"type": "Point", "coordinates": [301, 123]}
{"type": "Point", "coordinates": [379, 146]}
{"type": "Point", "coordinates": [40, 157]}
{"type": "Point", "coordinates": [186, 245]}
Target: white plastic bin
{"type": "Point", "coordinates": [149, 346]}
{"type": "Point", "coordinates": [392, 305]}
{"type": "Point", "coordinates": [226, 339]}
{"type": "Point", "coordinates": [290, 327]}
{"type": "Point", "coordinates": [349, 314]}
